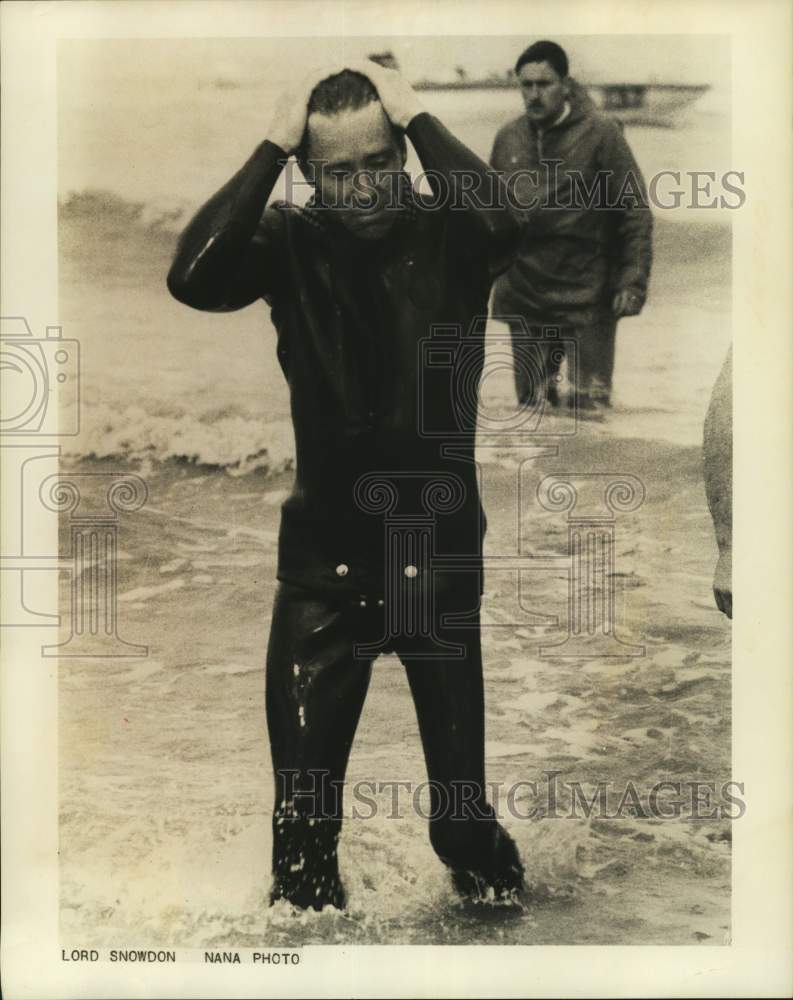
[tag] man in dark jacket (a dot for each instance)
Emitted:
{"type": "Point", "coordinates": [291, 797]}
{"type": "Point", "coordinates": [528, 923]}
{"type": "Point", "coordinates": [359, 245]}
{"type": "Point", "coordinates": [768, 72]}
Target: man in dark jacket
{"type": "Point", "coordinates": [355, 281]}
{"type": "Point", "coordinates": [585, 254]}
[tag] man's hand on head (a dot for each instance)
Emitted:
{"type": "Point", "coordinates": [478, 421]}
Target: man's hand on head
{"type": "Point", "coordinates": [627, 303]}
{"type": "Point", "coordinates": [288, 122]}
{"type": "Point", "coordinates": [400, 101]}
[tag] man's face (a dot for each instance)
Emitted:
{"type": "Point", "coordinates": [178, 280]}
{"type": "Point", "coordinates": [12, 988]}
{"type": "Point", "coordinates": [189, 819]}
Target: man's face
{"type": "Point", "coordinates": [544, 92]}
{"type": "Point", "coordinates": [356, 157]}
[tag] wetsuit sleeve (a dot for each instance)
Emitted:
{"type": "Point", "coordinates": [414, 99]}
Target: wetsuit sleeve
{"type": "Point", "coordinates": [231, 252]}
{"type": "Point", "coordinates": [474, 191]}
{"type": "Point", "coordinates": [633, 220]}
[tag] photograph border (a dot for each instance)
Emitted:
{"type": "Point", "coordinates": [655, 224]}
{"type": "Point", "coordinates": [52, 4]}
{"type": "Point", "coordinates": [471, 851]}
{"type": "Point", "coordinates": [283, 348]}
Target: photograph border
{"type": "Point", "coordinates": [758, 962]}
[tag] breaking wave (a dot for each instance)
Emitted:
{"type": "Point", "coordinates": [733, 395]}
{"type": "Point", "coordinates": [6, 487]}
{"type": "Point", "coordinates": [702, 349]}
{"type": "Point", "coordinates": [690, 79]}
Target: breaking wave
{"type": "Point", "coordinates": [109, 210]}
{"type": "Point", "coordinates": [237, 443]}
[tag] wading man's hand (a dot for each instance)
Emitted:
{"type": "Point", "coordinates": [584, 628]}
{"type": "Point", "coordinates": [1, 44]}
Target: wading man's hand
{"type": "Point", "coordinates": [627, 303]}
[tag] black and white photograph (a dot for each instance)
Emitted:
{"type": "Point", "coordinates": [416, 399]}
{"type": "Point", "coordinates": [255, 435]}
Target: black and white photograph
{"type": "Point", "coordinates": [385, 424]}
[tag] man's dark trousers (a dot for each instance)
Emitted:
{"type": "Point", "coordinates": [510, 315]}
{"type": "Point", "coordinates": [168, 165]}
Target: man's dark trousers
{"type": "Point", "coordinates": [316, 686]}
{"type": "Point", "coordinates": [590, 368]}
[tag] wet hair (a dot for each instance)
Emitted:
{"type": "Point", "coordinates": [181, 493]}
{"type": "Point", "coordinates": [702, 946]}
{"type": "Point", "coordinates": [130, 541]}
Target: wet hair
{"type": "Point", "coordinates": [549, 52]}
{"type": "Point", "coordinates": [345, 91]}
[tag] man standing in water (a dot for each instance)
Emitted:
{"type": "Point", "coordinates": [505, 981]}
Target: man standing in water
{"type": "Point", "coordinates": [586, 250]}
{"type": "Point", "coordinates": [356, 280]}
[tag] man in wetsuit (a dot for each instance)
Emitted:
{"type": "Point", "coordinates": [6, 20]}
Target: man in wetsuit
{"type": "Point", "coordinates": [355, 281]}
{"type": "Point", "coordinates": [586, 249]}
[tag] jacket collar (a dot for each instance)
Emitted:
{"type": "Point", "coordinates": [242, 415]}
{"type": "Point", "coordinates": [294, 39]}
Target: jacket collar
{"type": "Point", "coordinates": [577, 106]}
{"type": "Point", "coordinates": [324, 221]}
{"type": "Point", "coordinates": [564, 113]}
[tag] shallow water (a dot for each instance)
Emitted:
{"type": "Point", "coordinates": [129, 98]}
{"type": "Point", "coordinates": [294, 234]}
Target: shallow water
{"type": "Point", "coordinates": [165, 772]}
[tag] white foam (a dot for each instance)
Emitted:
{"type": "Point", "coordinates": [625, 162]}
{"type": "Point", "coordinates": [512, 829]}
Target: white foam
{"type": "Point", "coordinates": [144, 593]}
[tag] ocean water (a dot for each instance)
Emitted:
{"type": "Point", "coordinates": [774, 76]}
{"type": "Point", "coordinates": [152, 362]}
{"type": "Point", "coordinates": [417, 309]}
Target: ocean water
{"type": "Point", "coordinates": [164, 767]}
{"type": "Point", "coordinates": [160, 381]}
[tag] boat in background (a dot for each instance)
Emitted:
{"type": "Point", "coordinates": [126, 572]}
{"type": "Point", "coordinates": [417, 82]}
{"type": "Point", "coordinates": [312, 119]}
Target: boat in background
{"type": "Point", "coordinates": [656, 104]}
{"type": "Point", "coordinates": [651, 103]}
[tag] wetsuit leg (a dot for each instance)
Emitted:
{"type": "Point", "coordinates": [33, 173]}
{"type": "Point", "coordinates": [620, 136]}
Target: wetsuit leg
{"type": "Point", "coordinates": [315, 692]}
{"type": "Point", "coordinates": [449, 699]}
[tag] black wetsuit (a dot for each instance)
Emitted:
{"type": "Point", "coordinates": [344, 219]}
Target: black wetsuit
{"type": "Point", "coordinates": [382, 534]}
